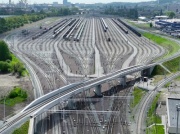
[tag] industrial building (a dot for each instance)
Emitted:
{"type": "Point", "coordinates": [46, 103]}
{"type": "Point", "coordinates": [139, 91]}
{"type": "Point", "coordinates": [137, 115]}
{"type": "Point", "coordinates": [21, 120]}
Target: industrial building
{"type": "Point", "coordinates": [173, 115]}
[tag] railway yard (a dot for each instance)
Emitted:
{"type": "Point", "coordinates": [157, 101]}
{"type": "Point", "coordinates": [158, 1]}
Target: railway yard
{"type": "Point", "coordinates": [72, 49]}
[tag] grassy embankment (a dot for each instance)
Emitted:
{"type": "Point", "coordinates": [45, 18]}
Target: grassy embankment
{"type": "Point", "coordinates": [138, 94]}
{"type": "Point", "coordinates": [17, 95]}
{"type": "Point", "coordinates": [151, 116]}
{"type": "Point", "coordinates": [172, 65]}
{"type": "Point", "coordinates": [153, 119]}
{"type": "Point", "coordinates": [171, 46]}
{"type": "Point", "coordinates": [23, 129]}
{"type": "Point", "coordinates": [140, 25]}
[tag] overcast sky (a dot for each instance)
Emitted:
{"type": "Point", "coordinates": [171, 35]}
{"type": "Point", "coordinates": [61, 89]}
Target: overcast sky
{"type": "Point", "coordinates": [75, 1]}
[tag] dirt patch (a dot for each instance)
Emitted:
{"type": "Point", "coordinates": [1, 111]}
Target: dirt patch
{"type": "Point", "coordinates": [7, 83]}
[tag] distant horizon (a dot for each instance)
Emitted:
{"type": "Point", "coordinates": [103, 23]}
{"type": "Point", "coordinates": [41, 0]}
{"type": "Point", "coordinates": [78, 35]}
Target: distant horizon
{"type": "Point", "coordinates": [76, 1]}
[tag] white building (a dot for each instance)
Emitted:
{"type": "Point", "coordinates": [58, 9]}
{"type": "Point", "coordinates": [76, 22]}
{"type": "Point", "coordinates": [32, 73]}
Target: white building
{"type": "Point", "coordinates": [173, 115]}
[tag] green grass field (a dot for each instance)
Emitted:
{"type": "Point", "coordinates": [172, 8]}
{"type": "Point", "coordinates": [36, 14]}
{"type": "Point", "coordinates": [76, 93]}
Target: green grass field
{"type": "Point", "coordinates": [171, 46]}
{"type": "Point", "coordinates": [17, 95]}
{"type": "Point", "coordinates": [23, 129]}
{"type": "Point", "coordinates": [140, 25]}
{"type": "Point", "coordinates": [173, 65]}
{"type": "Point", "coordinates": [158, 129]}
{"type": "Point", "coordinates": [12, 102]}
{"type": "Point", "coordinates": [138, 94]}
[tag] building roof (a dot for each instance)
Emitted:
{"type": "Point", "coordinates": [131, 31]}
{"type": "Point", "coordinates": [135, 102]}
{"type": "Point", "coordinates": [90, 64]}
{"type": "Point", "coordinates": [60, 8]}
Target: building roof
{"type": "Point", "coordinates": [142, 18]}
{"type": "Point", "coordinates": [161, 17]}
{"type": "Point", "coordinates": [172, 111]}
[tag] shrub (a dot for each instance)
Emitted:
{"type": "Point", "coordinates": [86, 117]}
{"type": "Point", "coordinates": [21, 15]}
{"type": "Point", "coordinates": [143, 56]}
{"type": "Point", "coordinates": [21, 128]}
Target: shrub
{"type": "Point", "coordinates": [4, 67]}
{"type": "Point", "coordinates": [18, 92]}
{"type": "Point", "coordinates": [13, 94]}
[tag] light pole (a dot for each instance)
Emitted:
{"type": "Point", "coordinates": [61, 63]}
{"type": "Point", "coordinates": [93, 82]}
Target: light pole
{"type": "Point", "coordinates": [4, 109]}
{"type": "Point", "coordinates": [178, 109]}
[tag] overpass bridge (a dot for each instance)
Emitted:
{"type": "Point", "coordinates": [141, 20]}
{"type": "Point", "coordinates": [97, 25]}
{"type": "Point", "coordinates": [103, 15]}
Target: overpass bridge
{"type": "Point", "coordinates": [51, 99]}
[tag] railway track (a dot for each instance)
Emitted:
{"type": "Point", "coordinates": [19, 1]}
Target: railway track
{"type": "Point", "coordinates": [42, 54]}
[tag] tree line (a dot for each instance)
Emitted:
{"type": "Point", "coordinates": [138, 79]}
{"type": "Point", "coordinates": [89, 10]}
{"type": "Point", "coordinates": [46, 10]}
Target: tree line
{"type": "Point", "coordinates": [131, 13]}
{"type": "Point", "coordinates": [13, 22]}
{"type": "Point", "coordinates": [63, 11]}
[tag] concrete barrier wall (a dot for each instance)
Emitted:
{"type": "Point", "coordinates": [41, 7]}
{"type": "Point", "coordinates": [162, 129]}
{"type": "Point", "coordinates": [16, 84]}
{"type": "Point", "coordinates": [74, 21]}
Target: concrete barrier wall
{"type": "Point", "coordinates": [43, 98]}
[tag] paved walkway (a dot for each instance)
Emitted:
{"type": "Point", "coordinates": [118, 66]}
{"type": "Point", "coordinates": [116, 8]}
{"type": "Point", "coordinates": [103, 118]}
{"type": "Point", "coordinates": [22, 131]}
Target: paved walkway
{"type": "Point", "coordinates": [155, 124]}
{"type": "Point", "coordinates": [98, 68]}
{"type": "Point", "coordinates": [145, 85]}
{"type": "Point", "coordinates": [163, 117]}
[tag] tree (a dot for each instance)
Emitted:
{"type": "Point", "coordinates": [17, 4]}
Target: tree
{"type": "Point", "coordinates": [4, 67]}
{"type": "Point", "coordinates": [150, 25]}
{"type": "Point", "coordinates": [170, 14]}
{"type": "Point", "coordinates": [4, 51]}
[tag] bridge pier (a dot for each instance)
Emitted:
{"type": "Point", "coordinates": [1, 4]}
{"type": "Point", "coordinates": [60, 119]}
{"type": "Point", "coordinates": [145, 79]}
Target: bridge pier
{"type": "Point", "coordinates": [71, 104]}
{"type": "Point", "coordinates": [123, 81]}
{"type": "Point", "coordinates": [98, 90]}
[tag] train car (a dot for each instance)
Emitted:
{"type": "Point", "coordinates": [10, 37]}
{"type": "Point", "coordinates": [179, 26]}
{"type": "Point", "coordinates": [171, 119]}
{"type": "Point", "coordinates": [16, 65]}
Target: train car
{"type": "Point", "coordinates": [130, 28]}
{"type": "Point", "coordinates": [104, 26]}
{"type": "Point", "coordinates": [124, 30]}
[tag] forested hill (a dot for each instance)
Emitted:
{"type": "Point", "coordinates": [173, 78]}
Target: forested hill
{"type": "Point", "coordinates": [167, 1]}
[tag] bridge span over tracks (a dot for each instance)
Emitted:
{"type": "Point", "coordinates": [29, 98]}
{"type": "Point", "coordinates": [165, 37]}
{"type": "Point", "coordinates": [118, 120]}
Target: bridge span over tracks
{"type": "Point", "coordinates": [51, 99]}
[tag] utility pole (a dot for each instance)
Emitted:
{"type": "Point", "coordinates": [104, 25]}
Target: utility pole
{"type": "Point", "coordinates": [4, 109]}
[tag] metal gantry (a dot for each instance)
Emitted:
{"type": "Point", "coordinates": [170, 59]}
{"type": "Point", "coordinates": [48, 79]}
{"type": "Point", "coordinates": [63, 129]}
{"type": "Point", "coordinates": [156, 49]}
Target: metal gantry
{"type": "Point", "coordinates": [93, 114]}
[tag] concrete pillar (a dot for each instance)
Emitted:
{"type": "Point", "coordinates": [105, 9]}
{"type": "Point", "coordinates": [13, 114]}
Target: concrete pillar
{"type": "Point", "coordinates": [71, 104]}
{"type": "Point", "coordinates": [123, 81]}
{"type": "Point", "coordinates": [98, 90]}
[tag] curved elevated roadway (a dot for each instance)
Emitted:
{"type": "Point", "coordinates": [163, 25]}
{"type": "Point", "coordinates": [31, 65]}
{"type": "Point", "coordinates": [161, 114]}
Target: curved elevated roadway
{"type": "Point", "coordinates": [53, 98]}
